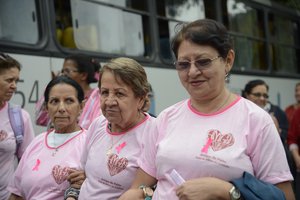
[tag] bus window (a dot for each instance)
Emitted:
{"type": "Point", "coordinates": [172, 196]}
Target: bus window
{"type": "Point", "coordinates": [100, 27]}
{"type": "Point", "coordinates": [283, 34]}
{"type": "Point", "coordinates": [14, 18]}
{"type": "Point", "coordinates": [170, 14]}
{"type": "Point", "coordinates": [249, 39]}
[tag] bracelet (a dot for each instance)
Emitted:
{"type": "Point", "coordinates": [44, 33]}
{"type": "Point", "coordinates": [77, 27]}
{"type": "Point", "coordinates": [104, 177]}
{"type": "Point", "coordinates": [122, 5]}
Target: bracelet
{"type": "Point", "coordinates": [148, 192]}
{"type": "Point", "coordinates": [71, 192]}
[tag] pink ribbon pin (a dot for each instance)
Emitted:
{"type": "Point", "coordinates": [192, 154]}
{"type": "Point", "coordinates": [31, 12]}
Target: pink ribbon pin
{"type": "Point", "coordinates": [36, 166]}
{"type": "Point", "coordinates": [120, 147]}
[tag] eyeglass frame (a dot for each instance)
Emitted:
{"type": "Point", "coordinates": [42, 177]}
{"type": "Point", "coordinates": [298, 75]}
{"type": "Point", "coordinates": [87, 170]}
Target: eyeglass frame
{"type": "Point", "coordinates": [68, 71]}
{"type": "Point", "coordinates": [198, 65]}
{"type": "Point", "coordinates": [259, 95]}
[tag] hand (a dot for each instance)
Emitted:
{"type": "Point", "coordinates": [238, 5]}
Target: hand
{"type": "Point", "coordinates": [132, 194]}
{"type": "Point", "coordinates": [207, 188]}
{"type": "Point", "coordinates": [76, 178]}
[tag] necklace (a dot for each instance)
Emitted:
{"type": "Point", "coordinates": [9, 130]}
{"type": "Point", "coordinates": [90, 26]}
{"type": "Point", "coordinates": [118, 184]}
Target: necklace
{"type": "Point", "coordinates": [109, 150]}
{"type": "Point", "coordinates": [226, 100]}
{"type": "Point", "coordinates": [61, 141]}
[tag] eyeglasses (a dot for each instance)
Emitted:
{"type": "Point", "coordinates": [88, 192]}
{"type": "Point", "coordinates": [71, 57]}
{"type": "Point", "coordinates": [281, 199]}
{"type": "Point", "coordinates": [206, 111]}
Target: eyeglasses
{"type": "Point", "coordinates": [201, 64]}
{"type": "Point", "coordinates": [259, 95]}
{"type": "Point", "coordinates": [68, 71]}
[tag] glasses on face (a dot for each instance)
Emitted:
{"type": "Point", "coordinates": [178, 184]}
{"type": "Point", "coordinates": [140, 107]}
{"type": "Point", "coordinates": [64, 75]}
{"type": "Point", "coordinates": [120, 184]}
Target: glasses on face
{"type": "Point", "coordinates": [259, 95]}
{"type": "Point", "coordinates": [68, 71]}
{"type": "Point", "coordinates": [201, 64]}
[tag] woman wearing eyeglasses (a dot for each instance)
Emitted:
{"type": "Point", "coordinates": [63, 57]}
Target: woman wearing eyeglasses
{"type": "Point", "coordinates": [203, 143]}
{"type": "Point", "coordinates": [84, 71]}
{"type": "Point", "coordinates": [257, 92]}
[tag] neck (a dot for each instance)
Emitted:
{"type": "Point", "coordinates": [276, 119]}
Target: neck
{"type": "Point", "coordinates": [86, 89]}
{"type": "Point", "coordinates": [2, 103]}
{"type": "Point", "coordinates": [120, 128]}
{"type": "Point", "coordinates": [212, 105]}
{"type": "Point", "coordinates": [69, 129]}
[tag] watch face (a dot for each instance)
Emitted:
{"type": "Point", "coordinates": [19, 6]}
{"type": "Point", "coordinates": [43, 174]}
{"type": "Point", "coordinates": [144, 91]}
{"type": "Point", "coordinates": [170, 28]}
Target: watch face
{"type": "Point", "coordinates": [235, 194]}
{"type": "Point", "coordinates": [149, 191]}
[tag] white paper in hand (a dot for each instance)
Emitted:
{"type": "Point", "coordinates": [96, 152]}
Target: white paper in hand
{"type": "Point", "coordinates": [176, 177]}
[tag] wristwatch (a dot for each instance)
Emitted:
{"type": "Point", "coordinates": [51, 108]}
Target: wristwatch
{"type": "Point", "coordinates": [234, 193]}
{"type": "Point", "coordinates": [148, 192]}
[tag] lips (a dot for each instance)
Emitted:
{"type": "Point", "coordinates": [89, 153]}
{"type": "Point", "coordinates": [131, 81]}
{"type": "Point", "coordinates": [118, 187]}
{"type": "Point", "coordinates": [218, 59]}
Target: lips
{"type": "Point", "coordinates": [196, 83]}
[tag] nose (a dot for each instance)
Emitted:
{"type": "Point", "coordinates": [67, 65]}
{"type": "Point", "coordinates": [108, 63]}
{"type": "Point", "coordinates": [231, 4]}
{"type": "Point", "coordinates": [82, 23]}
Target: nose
{"type": "Point", "coordinates": [14, 85]}
{"type": "Point", "coordinates": [193, 70]}
{"type": "Point", "coordinates": [111, 100]}
{"type": "Point", "coordinates": [61, 107]}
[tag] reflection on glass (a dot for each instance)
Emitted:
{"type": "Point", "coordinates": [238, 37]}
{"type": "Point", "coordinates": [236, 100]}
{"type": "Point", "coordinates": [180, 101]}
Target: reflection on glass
{"type": "Point", "coordinates": [281, 29]}
{"type": "Point", "coordinates": [250, 55]}
{"type": "Point", "coordinates": [184, 10]}
{"type": "Point", "coordinates": [244, 19]}
{"type": "Point", "coordinates": [284, 59]}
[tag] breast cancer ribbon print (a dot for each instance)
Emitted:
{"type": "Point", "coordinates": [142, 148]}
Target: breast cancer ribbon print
{"type": "Point", "coordinates": [219, 141]}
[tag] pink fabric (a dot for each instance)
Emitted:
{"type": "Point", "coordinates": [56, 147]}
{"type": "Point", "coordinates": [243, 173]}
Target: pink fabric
{"type": "Point", "coordinates": [91, 109]}
{"type": "Point", "coordinates": [243, 138]}
{"type": "Point", "coordinates": [108, 176]}
{"type": "Point", "coordinates": [8, 147]}
{"type": "Point", "coordinates": [40, 175]}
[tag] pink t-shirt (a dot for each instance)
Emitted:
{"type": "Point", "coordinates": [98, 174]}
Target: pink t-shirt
{"type": "Point", "coordinates": [43, 170]}
{"type": "Point", "coordinates": [91, 109]}
{"type": "Point", "coordinates": [241, 137]}
{"type": "Point", "coordinates": [8, 147]}
{"type": "Point", "coordinates": [110, 175]}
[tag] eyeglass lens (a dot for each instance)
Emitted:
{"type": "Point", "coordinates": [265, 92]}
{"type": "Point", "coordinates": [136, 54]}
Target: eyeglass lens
{"type": "Point", "coordinates": [266, 96]}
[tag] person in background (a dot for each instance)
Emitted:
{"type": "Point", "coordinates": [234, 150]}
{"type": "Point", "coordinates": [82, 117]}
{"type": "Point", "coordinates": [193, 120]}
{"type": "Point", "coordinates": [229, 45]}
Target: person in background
{"type": "Point", "coordinates": [257, 92]}
{"type": "Point", "coordinates": [203, 143]}
{"type": "Point", "coordinates": [148, 102]}
{"type": "Point", "coordinates": [52, 155]}
{"type": "Point", "coordinates": [9, 76]}
{"type": "Point", "coordinates": [114, 142]}
{"type": "Point", "coordinates": [84, 70]}
{"type": "Point", "coordinates": [290, 110]}
{"type": "Point", "coordinates": [293, 141]}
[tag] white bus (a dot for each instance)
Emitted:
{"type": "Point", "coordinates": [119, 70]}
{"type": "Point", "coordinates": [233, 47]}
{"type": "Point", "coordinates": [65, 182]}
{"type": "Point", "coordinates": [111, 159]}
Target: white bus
{"type": "Point", "coordinates": [40, 33]}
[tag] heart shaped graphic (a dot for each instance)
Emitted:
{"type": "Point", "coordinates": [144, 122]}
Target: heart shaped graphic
{"type": "Point", "coordinates": [60, 174]}
{"type": "Point", "coordinates": [3, 135]}
{"type": "Point", "coordinates": [116, 164]}
{"type": "Point", "coordinates": [220, 141]}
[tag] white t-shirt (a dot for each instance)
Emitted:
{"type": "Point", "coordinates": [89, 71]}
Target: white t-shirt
{"type": "Point", "coordinates": [241, 137]}
{"type": "Point", "coordinates": [8, 147]}
{"type": "Point", "coordinates": [110, 159]}
{"type": "Point", "coordinates": [43, 169]}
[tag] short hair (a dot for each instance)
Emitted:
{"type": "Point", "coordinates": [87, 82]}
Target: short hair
{"type": "Point", "coordinates": [86, 64]}
{"type": "Point", "coordinates": [252, 84]}
{"type": "Point", "coordinates": [8, 62]}
{"type": "Point", "coordinates": [203, 32]}
{"type": "Point", "coordinates": [64, 80]}
{"type": "Point", "coordinates": [130, 72]}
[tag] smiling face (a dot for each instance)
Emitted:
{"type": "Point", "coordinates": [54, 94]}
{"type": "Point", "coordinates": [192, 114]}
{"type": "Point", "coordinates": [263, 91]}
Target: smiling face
{"type": "Point", "coordinates": [64, 108]}
{"type": "Point", "coordinates": [259, 95]}
{"type": "Point", "coordinates": [8, 83]}
{"type": "Point", "coordinates": [119, 104]}
{"type": "Point", "coordinates": [205, 83]}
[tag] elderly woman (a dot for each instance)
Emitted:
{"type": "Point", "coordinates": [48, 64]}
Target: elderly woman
{"type": "Point", "coordinates": [114, 143]}
{"type": "Point", "coordinates": [84, 70]}
{"type": "Point", "coordinates": [9, 76]}
{"type": "Point", "coordinates": [45, 165]}
{"type": "Point", "coordinates": [214, 137]}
